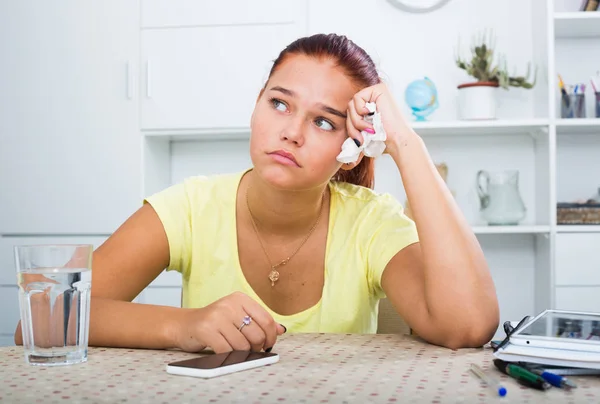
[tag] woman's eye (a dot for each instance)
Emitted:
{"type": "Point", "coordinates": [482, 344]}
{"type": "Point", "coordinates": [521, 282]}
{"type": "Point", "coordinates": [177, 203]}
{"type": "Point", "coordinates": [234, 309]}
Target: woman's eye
{"type": "Point", "coordinates": [324, 124]}
{"type": "Point", "coordinates": [278, 105]}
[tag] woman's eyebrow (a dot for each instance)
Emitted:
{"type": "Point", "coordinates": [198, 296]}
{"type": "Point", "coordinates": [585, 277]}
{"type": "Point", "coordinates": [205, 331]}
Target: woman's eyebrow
{"type": "Point", "coordinates": [323, 107]}
{"type": "Point", "coordinates": [332, 111]}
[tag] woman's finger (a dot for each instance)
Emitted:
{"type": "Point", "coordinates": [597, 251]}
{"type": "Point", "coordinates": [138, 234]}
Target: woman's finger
{"type": "Point", "coordinates": [219, 343]}
{"type": "Point", "coordinates": [256, 336]}
{"type": "Point", "coordinates": [261, 318]}
{"type": "Point", "coordinates": [357, 120]}
{"type": "Point", "coordinates": [235, 338]}
{"type": "Point", "coordinates": [353, 132]}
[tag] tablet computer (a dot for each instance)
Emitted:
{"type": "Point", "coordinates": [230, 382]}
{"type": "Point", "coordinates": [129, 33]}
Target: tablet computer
{"type": "Point", "coordinates": [560, 329]}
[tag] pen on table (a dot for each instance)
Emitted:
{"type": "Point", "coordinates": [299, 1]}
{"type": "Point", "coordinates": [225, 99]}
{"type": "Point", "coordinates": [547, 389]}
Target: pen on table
{"type": "Point", "coordinates": [522, 375]}
{"type": "Point", "coordinates": [488, 380]}
{"type": "Point", "coordinates": [554, 379]}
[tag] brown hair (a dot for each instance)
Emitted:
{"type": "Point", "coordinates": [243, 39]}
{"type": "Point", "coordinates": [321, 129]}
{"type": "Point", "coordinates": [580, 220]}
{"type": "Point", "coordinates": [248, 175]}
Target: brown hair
{"type": "Point", "coordinates": [358, 65]}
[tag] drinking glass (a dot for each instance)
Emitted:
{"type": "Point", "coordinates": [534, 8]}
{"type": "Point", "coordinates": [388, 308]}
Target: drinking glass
{"type": "Point", "coordinates": [54, 299]}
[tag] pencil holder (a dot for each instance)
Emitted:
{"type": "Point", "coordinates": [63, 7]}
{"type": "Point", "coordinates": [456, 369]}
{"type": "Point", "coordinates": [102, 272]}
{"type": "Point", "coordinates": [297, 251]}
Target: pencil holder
{"type": "Point", "coordinates": [597, 102]}
{"type": "Point", "coordinates": [572, 106]}
{"type": "Point", "coordinates": [578, 101]}
{"type": "Point", "coordinates": [566, 106]}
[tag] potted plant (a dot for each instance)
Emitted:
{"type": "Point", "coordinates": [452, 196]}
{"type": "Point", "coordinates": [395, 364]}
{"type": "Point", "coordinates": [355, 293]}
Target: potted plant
{"type": "Point", "coordinates": [477, 100]}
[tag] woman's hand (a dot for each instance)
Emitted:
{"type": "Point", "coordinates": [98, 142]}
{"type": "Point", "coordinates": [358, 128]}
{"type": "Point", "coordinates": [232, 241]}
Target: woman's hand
{"type": "Point", "coordinates": [218, 326]}
{"type": "Point", "coordinates": [396, 127]}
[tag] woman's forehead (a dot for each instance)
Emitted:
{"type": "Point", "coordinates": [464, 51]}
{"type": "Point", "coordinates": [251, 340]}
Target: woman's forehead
{"type": "Point", "coordinates": [309, 77]}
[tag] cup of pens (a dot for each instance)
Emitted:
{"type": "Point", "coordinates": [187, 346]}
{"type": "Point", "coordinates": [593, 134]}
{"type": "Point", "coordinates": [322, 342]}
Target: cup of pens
{"type": "Point", "coordinates": [572, 103]}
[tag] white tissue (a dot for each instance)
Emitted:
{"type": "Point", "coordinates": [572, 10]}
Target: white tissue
{"type": "Point", "coordinates": [373, 144]}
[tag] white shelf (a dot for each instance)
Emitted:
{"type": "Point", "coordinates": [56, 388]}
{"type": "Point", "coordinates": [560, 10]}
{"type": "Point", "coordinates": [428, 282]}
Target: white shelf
{"type": "Point", "coordinates": [446, 128]}
{"type": "Point", "coordinates": [519, 229]}
{"type": "Point", "coordinates": [204, 134]}
{"type": "Point", "coordinates": [578, 126]}
{"type": "Point", "coordinates": [577, 24]}
{"type": "Point", "coordinates": [491, 127]}
{"type": "Point", "coordinates": [578, 228]}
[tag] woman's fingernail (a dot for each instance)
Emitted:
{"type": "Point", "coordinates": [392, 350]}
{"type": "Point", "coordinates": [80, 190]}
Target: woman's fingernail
{"type": "Point", "coordinates": [284, 328]}
{"type": "Point", "coordinates": [369, 130]}
{"type": "Point", "coordinates": [268, 350]}
{"type": "Point", "coordinates": [357, 142]}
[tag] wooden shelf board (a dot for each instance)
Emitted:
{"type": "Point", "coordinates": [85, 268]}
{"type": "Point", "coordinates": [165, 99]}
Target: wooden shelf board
{"type": "Point", "coordinates": [491, 127]}
{"type": "Point", "coordinates": [578, 24]}
{"type": "Point", "coordinates": [578, 126]}
{"type": "Point", "coordinates": [519, 229]}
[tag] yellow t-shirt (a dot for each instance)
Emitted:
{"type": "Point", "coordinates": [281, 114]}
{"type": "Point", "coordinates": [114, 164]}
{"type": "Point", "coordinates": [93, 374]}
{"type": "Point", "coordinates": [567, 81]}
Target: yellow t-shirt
{"type": "Point", "coordinates": [365, 231]}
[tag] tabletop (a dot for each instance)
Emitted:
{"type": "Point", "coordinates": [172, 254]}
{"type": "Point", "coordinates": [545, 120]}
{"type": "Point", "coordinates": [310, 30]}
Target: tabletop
{"type": "Point", "coordinates": [324, 368]}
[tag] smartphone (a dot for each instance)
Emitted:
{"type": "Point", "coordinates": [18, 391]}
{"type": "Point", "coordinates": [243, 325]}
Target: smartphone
{"type": "Point", "coordinates": [221, 364]}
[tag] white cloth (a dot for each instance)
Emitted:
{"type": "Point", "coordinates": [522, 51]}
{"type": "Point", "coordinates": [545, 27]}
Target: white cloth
{"type": "Point", "coordinates": [373, 144]}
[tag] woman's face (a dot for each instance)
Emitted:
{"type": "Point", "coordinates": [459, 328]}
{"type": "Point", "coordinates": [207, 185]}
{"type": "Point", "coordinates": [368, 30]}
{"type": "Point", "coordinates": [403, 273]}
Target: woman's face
{"type": "Point", "coordinates": [299, 123]}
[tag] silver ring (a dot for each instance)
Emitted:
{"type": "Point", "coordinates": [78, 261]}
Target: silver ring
{"type": "Point", "coordinates": [246, 321]}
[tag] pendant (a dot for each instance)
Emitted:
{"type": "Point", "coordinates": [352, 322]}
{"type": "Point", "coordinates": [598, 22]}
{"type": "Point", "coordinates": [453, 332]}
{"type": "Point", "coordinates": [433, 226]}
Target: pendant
{"type": "Point", "coordinates": [273, 276]}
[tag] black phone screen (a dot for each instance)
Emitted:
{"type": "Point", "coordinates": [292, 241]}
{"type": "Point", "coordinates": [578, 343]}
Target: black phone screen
{"type": "Point", "coordinates": [223, 359]}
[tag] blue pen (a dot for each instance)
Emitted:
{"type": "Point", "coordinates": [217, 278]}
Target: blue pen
{"type": "Point", "coordinates": [489, 381]}
{"type": "Point", "coordinates": [553, 379]}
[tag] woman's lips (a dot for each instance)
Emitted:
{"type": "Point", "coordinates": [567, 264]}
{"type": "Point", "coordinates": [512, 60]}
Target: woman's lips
{"type": "Point", "coordinates": [285, 158]}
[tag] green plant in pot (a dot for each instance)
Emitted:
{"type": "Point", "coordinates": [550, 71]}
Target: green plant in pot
{"type": "Point", "coordinates": [477, 100]}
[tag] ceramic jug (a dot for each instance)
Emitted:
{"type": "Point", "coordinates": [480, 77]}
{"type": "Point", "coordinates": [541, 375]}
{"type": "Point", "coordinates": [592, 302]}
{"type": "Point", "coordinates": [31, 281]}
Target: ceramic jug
{"type": "Point", "coordinates": [500, 201]}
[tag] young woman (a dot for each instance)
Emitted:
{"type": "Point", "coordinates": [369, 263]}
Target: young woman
{"type": "Point", "coordinates": [300, 242]}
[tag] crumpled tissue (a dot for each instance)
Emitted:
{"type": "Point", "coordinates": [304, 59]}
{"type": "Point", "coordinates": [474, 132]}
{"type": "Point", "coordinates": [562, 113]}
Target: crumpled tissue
{"type": "Point", "coordinates": [373, 144]}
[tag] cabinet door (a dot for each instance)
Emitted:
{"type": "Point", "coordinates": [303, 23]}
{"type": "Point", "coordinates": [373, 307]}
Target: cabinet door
{"type": "Point", "coordinates": [209, 76]}
{"type": "Point", "coordinates": [578, 298]}
{"type": "Point", "coordinates": [69, 133]}
{"type": "Point", "coordinates": [186, 13]}
{"type": "Point", "coordinates": [577, 259]}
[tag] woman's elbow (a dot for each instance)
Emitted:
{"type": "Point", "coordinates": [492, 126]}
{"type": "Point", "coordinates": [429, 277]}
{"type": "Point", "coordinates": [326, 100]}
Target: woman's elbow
{"type": "Point", "coordinates": [474, 333]}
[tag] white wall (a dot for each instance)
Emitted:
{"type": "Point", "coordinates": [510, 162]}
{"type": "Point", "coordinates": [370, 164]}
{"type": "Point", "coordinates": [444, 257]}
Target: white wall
{"type": "Point", "coordinates": [410, 46]}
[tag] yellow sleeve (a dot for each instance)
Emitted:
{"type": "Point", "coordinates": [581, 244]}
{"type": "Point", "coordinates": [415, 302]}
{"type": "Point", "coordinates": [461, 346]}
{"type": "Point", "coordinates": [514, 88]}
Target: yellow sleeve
{"type": "Point", "coordinates": [172, 206]}
{"type": "Point", "coordinates": [391, 231]}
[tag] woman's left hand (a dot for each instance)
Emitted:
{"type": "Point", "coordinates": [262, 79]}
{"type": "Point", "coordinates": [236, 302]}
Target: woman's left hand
{"type": "Point", "coordinates": [395, 125]}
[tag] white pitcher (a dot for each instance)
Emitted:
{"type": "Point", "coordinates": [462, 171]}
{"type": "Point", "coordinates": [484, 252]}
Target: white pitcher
{"type": "Point", "coordinates": [499, 197]}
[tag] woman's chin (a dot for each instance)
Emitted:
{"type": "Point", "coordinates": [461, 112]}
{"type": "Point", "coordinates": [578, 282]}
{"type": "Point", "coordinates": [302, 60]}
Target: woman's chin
{"type": "Point", "coordinates": [284, 178]}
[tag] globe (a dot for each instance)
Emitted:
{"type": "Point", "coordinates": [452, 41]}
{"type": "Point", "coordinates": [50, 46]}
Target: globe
{"type": "Point", "coordinates": [421, 97]}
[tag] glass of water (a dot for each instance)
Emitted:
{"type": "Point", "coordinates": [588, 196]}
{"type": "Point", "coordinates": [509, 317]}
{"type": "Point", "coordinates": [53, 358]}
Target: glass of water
{"type": "Point", "coordinates": [54, 298]}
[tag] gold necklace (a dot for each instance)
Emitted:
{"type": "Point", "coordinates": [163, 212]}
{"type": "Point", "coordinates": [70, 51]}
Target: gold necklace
{"type": "Point", "coordinates": [274, 273]}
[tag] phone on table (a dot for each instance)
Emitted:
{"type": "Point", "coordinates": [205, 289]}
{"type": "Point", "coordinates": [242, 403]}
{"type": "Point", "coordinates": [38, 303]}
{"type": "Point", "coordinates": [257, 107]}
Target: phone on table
{"type": "Point", "coordinates": [561, 329]}
{"type": "Point", "coordinates": [221, 364]}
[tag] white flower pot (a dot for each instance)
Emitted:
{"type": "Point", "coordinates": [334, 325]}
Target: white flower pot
{"type": "Point", "coordinates": [477, 101]}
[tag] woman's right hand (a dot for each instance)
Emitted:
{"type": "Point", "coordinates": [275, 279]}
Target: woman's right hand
{"type": "Point", "coordinates": [218, 326]}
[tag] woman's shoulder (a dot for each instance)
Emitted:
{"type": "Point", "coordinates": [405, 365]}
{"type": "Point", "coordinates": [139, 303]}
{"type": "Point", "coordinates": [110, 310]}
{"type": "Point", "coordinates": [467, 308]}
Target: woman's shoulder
{"type": "Point", "coordinates": [197, 190]}
{"type": "Point", "coordinates": [358, 197]}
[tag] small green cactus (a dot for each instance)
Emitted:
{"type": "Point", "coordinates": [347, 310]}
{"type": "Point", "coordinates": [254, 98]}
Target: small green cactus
{"type": "Point", "coordinates": [482, 67]}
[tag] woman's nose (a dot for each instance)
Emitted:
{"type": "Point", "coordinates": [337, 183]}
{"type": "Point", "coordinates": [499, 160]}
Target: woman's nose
{"type": "Point", "coordinates": [293, 132]}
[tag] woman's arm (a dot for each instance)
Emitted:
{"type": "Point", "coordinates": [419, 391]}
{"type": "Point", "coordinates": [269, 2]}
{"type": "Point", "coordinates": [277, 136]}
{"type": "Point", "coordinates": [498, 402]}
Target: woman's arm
{"type": "Point", "coordinates": [442, 285]}
{"type": "Point", "coordinates": [122, 267]}
{"type": "Point", "coordinates": [125, 264]}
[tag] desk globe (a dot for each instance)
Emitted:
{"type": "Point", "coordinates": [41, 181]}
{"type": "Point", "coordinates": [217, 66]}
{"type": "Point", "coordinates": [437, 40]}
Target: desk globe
{"type": "Point", "coordinates": [421, 97]}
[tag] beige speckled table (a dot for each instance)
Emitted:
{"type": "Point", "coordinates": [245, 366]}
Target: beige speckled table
{"type": "Point", "coordinates": [312, 368]}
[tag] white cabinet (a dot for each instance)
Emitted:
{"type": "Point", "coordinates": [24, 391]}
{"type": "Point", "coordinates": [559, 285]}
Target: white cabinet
{"type": "Point", "coordinates": [578, 298]}
{"type": "Point", "coordinates": [70, 144]}
{"type": "Point", "coordinates": [186, 13]}
{"type": "Point", "coordinates": [208, 70]}
{"type": "Point", "coordinates": [578, 259]}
